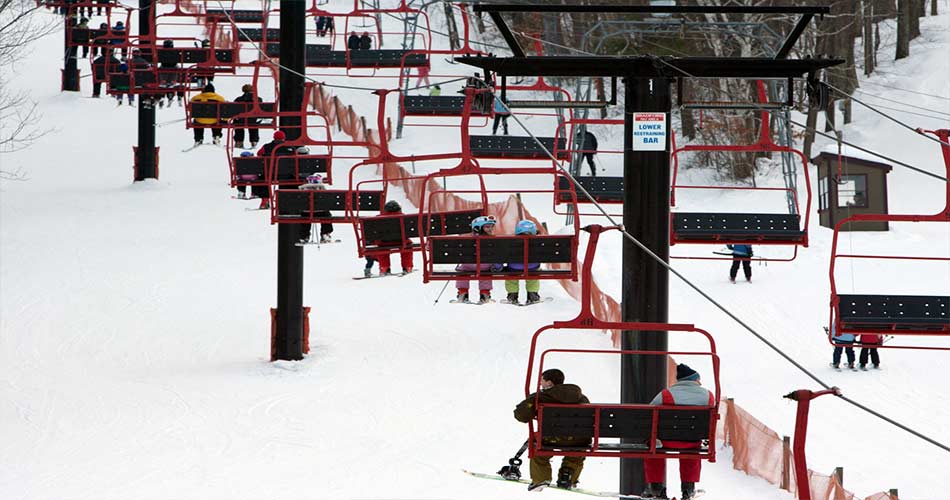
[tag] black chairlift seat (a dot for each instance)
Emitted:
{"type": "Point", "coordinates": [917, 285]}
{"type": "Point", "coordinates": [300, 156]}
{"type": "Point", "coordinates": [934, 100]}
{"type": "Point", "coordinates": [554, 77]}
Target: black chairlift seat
{"type": "Point", "coordinates": [239, 16]}
{"type": "Point", "coordinates": [506, 146]}
{"type": "Point", "coordinates": [894, 313]}
{"type": "Point", "coordinates": [604, 189]}
{"type": "Point", "coordinates": [634, 424]}
{"type": "Point", "coordinates": [382, 58]}
{"type": "Point", "coordinates": [398, 228]}
{"type": "Point", "coordinates": [314, 51]}
{"type": "Point", "coordinates": [713, 227]}
{"type": "Point", "coordinates": [296, 205]}
{"type": "Point", "coordinates": [257, 35]}
{"type": "Point", "coordinates": [436, 105]}
{"type": "Point", "coordinates": [226, 110]}
{"type": "Point", "coordinates": [193, 55]}
{"type": "Point", "coordinates": [291, 169]}
{"type": "Point", "coordinates": [541, 249]}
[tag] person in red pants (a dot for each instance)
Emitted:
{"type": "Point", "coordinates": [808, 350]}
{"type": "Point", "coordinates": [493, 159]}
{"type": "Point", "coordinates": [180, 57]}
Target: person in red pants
{"type": "Point", "coordinates": [405, 256]}
{"type": "Point", "coordinates": [687, 391]}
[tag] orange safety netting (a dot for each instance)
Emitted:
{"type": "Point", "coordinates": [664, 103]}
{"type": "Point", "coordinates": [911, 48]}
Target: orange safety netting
{"type": "Point", "coordinates": [757, 450]}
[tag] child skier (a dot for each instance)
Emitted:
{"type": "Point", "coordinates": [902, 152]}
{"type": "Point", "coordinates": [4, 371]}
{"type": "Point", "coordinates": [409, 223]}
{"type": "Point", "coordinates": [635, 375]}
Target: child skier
{"type": "Point", "coordinates": [405, 256]}
{"type": "Point", "coordinates": [481, 226]}
{"type": "Point", "coordinates": [315, 182]}
{"type": "Point", "coordinates": [741, 254]}
{"type": "Point", "coordinates": [524, 227]}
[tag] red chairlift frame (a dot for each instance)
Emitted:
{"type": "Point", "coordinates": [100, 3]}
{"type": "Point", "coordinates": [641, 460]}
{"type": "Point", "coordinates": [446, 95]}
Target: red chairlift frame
{"type": "Point", "coordinates": [942, 216]}
{"type": "Point", "coordinates": [255, 111]}
{"type": "Point", "coordinates": [586, 320]}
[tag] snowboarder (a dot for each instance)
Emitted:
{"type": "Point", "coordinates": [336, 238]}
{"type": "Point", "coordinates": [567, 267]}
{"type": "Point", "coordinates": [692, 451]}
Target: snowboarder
{"type": "Point", "coordinates": [741, 254]}
{"type": "Point", "coordinates": [867, 340]}
{"type": "Point", "coordinates": [481, 226]}
{"type": "Point", "coordinates": [366, 42]}
{"type": "Point", "coordinates": [207, 95]}
{"type": "Point", "coordinates": [687, 391]}
{"type": "Point", "coordinates": [252, 131]}
{"type": "Point", "coordinates": [391, 207]}
{"type": "Point", "coordinates": [524, 227]}
{"type": "Point", "coordinates": [501, 115]}
{"type": "Point", "coordinates": [315, 182]}
{"type": "Point", "coordinates": [554, 390]}
{"type": "Point", "coordinates": [353, 42]}
{"type": "Point", "coordinates": [842, 341]}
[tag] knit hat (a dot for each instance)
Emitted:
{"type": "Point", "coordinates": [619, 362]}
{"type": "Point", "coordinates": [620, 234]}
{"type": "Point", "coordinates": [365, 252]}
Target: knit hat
{"type": "Point", "coordinates": [684, 372]}
{"type": "Point", "coordinates": [209, 88]}
{"type": "Point", "coordinates": [280, 135]}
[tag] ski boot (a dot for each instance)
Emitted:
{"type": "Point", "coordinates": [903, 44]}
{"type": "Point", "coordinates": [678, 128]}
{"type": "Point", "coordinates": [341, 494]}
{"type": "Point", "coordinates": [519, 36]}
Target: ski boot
{"type": "Point", "coordinates": [484, 297]}
{"type": "Point", "coordinates": [655, 490]}
{"type": "Point", "coordinates": [462, 295]}
{"type": "Point", "coordinates": [533, 298]}
{"type": "Point", "coordinates": [198, 143]}
{"type": "Point", "coordinates": [367, 272]}
{"type": "Point", "coordinates": [216, 141]}
{"type": "Point", "coordinates": [565, 479]}
{"type": "Point", "coordinates": [384, 272]}
{"type": "Point", "coordinates": [513, 298]}
{"type": "Point", "coordinates": [253, 145]}
{"type": "Point", "coordinates": [239, 145]}
{"type": "Point", "coordinates": [689, 490]}
{"type": "Point", "coordinates": [325, 238]}
{"type": "Point", "coordinates": [538, 486]}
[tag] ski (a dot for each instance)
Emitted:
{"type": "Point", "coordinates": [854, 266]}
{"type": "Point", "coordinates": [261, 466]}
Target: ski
{"type": "Point", "coordinates": [391, 275]}
{"type": "Point", "coordinates": [256, 209]}
{"type": "Point", "coordinates": [582, 491]}
{"type": "Point", "coordinates": [469, 302]}
{"type": "Point", "coordinates": [317, 243]}
{"type": "Point", "coordinates": [526, 304]}
{"type": "Point", "coordinates": [238, 197]}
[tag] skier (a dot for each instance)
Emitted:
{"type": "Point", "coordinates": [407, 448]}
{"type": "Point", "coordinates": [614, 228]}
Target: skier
{"type": "Point", "coordinates": [84, 25]}
{"type": "Point", "coordinates": [101, 66]}
{"type": "Point", "coordinates": [867, 340]}
{"type": "Point", "coordinates": [366, 42]}
{"type": "Point", "coordinates": [169, 77]}
{"type": "Point", "coordinates": [252, 131]}
{"type": "Point", "coordinates": [102, 39]}
{"type": "Point", "coordinates": [242, 190]}
{"type": "Point", "coordinates": [353, 42]}
{"type": "Point", "coordinates": [124, 68]}
{"type": "Point", "coordinates": [405, 256]}
{"type": "Point", "coordinates": [481, 226]}
{"type": "Point", "coordinates": [207, 95]}
{"type": "Point", "coordinates": [501, 115]}
{"type": "Point", "coordinates": [315, 182]}
{"type": "Point", "coordinates": [842, 341]}
{"type": "Point", "coordinates": [555, 391]}
{"type": "Point", "coordinates": [118, 35]}
{"type": "Point", "coordinates": [589, 147]}
{"type": "Point", "coordinates": [741, 254]}
{"type": "Point", "coordinates": [321, 26]}
{"type": "Point", "coordinates": [524, 227]}
{"type": "Point", "coordinates": [272, 148]}
{"type": "Point", "coordinates": [687, 391]}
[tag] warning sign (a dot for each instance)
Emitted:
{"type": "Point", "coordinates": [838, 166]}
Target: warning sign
{"type": "Point", "coordinates": [649, 131]}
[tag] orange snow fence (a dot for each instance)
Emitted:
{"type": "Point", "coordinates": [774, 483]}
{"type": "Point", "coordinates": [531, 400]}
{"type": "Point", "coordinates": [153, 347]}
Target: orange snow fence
{"type": "Point", "coordinates": [757, 450]}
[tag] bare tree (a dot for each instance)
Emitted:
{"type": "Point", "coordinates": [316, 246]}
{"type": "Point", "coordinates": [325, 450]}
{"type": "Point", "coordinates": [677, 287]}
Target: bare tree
{"type": "Point", "coordinates": [19, 27]}
{"type": "Point", "coordinates": [904, 13]}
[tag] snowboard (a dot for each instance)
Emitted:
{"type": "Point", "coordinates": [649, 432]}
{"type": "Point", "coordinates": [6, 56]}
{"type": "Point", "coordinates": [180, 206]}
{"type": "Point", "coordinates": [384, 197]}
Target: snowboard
{"type": "Point", "coordinates": [582, 491]}
{"type": "Point", "coordinates": [525, 304]}
{"type": "Point", "coordinates": [392, 275]}
{"type": "Point", "coordinates": [469, 302]}
{"type": "Point", "coordinates": [245, 198]}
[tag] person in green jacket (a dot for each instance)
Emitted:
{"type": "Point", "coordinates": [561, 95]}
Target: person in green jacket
{"type": "Point", "coordinates": [554, 390]}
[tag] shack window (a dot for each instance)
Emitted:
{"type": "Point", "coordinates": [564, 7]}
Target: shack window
{"type": "Point", "coordinates": [853, 191]}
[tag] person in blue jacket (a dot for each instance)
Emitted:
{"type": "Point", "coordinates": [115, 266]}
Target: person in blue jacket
{"type": "Point", "coordinates": [842, 342]}
{"type": "Point", "coordinates": [501, 116]}
{"type": "Point", "coordinates": [741, 254]}
{"type": "Point", "coordinates": [532, 286]}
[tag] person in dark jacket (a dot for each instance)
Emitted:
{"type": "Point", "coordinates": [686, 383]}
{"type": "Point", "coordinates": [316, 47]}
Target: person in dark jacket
{"type": "Point", "coordinates": [99, 7]}
{"type": "Point", "coordinates": [272, 148]}
{"type": "Point", "coordinates": [554, 390]}
{"type": "Point", "coordinates": [252, 130]}
{"type": "Point", "coordinates": [84, 25]}
{"type": "Point", "coordinates": [118, 37]}
{"type": "Point", "coordinates": [353, 42]}
{"type": "Point", "coordinates": [366, 42]}
{"type": "Point", "coordinates": [391, 208]}
{"type": "Point", "coordinates": [687, 391]}
{"type": "Point", "coordinates": [589, 148]}
{"type": "Point", "coordinates": [741, 254]}
{"type": "Point", "coordinates": [101, 66]}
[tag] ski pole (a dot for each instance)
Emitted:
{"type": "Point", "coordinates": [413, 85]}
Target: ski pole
{"type": "Point", "coordinates": [440, 293]}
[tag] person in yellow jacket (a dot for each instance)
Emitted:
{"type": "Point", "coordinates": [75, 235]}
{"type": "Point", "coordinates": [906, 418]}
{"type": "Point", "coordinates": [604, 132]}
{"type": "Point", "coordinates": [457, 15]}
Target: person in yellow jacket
{"type": "Point", "coordinates": [207, 95]}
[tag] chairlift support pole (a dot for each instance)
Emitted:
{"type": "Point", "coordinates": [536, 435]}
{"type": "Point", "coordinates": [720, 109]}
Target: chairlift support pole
{"type": "Point", "coordinates": [289, 319]}
{"type": "Point", "coordinates": [145, 164]}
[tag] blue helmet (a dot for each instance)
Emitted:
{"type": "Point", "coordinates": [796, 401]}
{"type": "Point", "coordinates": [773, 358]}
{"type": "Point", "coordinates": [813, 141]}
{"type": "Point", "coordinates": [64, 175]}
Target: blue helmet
{"type": "Point", "coordinates": [246, 153]}
{"type": "Point", "coordinates": [526, 227]}
{"type": "Point", "coordinates": [314, 179]}
{"type": "Point", "coordinates": [479, 223]}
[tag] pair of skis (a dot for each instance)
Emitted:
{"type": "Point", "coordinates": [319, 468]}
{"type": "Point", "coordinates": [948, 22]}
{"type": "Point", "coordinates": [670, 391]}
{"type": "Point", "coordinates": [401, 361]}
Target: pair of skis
{"type": "Point", "coordinates": [582, 491]}
{"type": "Point", "coordinates": [390, 275]}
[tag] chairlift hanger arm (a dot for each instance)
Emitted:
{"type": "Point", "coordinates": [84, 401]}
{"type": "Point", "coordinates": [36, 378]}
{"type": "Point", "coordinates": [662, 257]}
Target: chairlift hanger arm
{"type": "Point", "coordinates": [513, 44]}
{"type": "Point", "coordinates": [793, 36]}
{"type": "Point", "coordinates": [657, 9]}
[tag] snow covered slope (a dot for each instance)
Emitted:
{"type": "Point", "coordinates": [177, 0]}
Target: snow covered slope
{"type": "Point", "coordinates": [134, 332]}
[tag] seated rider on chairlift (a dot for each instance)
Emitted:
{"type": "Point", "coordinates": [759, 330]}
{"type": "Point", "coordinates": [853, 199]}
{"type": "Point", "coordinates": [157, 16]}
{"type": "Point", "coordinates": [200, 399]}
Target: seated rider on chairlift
{"type": "Point", "coordinates": [524, 227]}
{"type": "Point", "coordinates": [687, 391]}
{"type": "Point", "coordinates": [315, 183]}
{"type": "Point", "coordinates": [554, 391]}
{"type": "Point", "coordinates": [481, 227]}
{"type": "Point", "coordinates": [405, 256]}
